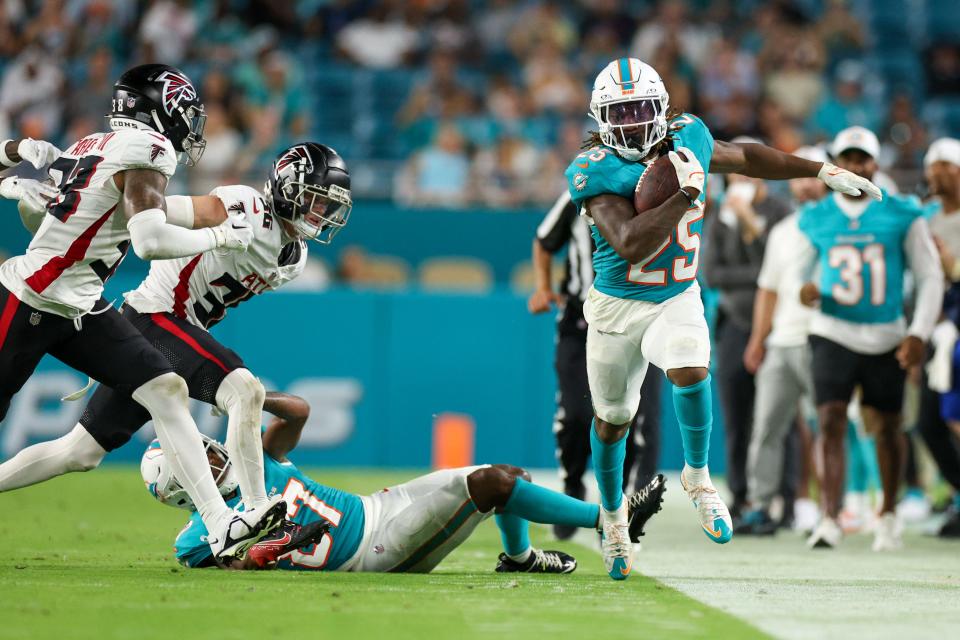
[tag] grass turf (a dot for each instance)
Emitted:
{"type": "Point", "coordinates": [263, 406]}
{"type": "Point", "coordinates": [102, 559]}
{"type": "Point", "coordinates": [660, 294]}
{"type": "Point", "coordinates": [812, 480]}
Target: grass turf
{"type": "Point", "coordinates": [90, 556]}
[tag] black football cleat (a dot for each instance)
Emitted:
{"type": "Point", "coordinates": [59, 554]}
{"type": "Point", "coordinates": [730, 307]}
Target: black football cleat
{"type": "Point", "coordinates": [540, 561]}
{"type": "Point", "coordinates": [642, 505]}
{"type": "Point", "coordinates": [755, 523]}
{"type": "Point", "coordinates": [289, 537]}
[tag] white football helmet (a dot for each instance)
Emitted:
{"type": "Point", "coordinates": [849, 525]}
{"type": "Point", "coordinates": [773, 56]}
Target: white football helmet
{"type": "Point", "coordinates": [161, 484]}
{"type": "Point", "coordinates": [629, 103]}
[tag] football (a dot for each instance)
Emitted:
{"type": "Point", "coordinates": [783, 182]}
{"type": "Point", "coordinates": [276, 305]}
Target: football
{"type": "Point", "coordinates": [657, 183]}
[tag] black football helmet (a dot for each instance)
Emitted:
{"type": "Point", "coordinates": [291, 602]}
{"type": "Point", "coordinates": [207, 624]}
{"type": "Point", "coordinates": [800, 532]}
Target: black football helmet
{"type": "Point", "coordinates": [162, 98]}
{"type": "Point", "coordinates": [309, 186]}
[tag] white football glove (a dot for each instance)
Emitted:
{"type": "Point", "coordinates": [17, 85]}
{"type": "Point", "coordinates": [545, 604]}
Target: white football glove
{"type": "Point", "coordinates": [846, 182]}
{"type": "Point", "coordinates": [689, 171]}
{"type": "Point", "coordinates": [32, 193]}
{"type": "Point", "coordinates": [39, 153]}
{"type": "Point", "coordinates": [234, 234]}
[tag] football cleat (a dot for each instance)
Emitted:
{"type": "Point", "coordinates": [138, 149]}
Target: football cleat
{"type": "Point", "coordinates": [756, 523]}
{"type": "Point", "coordinates": [289, 537]}
{"type": "Point", "coordinates": [615, 542]}
{"type": "Point", "coordinates": [540, 561]}
{"type": "Point", "coordinates": [827, 535]}
{"type": "Point", "coordinates": [241, 529]}
{"type": "Point", "coordinates": [887, 535]}
{"type": "Point", "coordinates": [714, 516]}
{"type": "Point", "coordinates": [642, 505]}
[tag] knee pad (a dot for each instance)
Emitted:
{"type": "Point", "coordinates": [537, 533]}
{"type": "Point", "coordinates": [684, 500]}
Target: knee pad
{"type": "Point", "coordinates": [614, 414]}
{"type": "Point", "coordinates": [157, 393]}
{"type": "Point", "coordinates": [240, 389]}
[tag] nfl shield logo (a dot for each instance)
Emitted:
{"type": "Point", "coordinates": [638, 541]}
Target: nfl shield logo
{"type": "Point", "coordinates": [131, 101]}
{"type": "Point", "coordinates": [35, 318]}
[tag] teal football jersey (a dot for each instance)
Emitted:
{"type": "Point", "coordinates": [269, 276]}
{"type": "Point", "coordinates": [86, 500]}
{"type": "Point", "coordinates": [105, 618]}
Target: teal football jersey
{"type": "Point", "coordinates": [674, 267]}
{"type": "Point", "coordinates": [862, 261]}
{"type": "Point", "coordinates": [307, 501]}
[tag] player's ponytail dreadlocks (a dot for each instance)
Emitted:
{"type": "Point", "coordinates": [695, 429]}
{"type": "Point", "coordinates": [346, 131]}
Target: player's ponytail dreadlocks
{"type": "Point", "coordinates": [593, 137]}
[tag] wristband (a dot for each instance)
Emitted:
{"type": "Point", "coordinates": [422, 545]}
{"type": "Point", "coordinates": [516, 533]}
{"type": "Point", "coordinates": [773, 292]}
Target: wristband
{"type": "Point", "coordinates": [690, 199]}
{"type": "Point", "coordinates": [4, 158]}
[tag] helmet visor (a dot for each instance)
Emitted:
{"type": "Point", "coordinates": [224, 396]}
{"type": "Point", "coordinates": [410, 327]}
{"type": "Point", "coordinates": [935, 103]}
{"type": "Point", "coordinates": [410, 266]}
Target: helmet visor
{"type": "Point", "coordinates": [320, 211]}
{"type": "Point", "coordinates": [633, 123]}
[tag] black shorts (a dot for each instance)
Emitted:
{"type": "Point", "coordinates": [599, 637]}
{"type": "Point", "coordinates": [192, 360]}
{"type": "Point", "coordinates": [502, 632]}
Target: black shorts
{"type": "Point", "coordinates": [112, 416]}
{"type": "Point", "coordinates": [106, 347]}
{"type": "Point", "coordinates": [837, 371]}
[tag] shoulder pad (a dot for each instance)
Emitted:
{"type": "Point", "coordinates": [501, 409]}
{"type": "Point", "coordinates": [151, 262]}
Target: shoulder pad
{"type": "Point", "coordinates": [142, 149]}
{"type": "Point", "coordinates": [593, 172]}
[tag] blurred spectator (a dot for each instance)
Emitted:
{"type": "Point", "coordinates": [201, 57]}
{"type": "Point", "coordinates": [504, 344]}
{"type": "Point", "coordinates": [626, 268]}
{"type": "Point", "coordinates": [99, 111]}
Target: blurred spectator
{"type": "Point", "coordinates": [792, 64]}
{"type": "Point", "coordinates": [942, 64]}
{"type": "Point", "coordinates": [11, 28]}
{"type": "Point", "coordinates": [31, 86]}
{"type": "Point", "coordinates": [551, 84]}
{"type": "Point", "coordinates": [220, 157]}
{"type": "Point", "coordinates": [91, 93]}
{"type": "Point", "coordinates": [671, 21]}
{"type": "Point", "coordinates": [439, 175]}
{"type": "Point", "coordinates": [846, 105]}
{"type": "Point", "coordinates": [167, 31]}
{"type": "Point", "coordinates": [493, 26]}
{"type": "Point", "coordinates": [396, 41]}
{"type": "Point", "coordinates": [98, 24]}
{"type": "Point", "coordinates": [840, 31]}
{"type": "Point", "coordinates": [505, 176]}
{"type": "Point", "coordinates": [732, 255]}
{"type": "Point", "coordinates": [906, 133]}
{"type": "Point", "coordinates": [271, 84]}
{"type": "Point", "coordinates": [727, 88]}
{"type": "Point", "coordinates": [439, 85]}
{"type": "Point", "coordinates": [542, 25]}
{"type": "Point", "coordinates": [50, 29]}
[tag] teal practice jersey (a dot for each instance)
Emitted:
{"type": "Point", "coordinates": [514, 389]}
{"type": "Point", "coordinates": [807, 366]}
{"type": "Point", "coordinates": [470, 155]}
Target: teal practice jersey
{"type": "Point", "coordinates": [307, 501]}
{"type": "Point", "coordinates": [862, 261]}
{"type": "Point", "coordinates": [674, 267]}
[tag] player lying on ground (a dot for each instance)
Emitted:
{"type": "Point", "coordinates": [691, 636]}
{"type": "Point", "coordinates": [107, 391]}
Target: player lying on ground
{"type": "Point", "coordinates": [410, 527]}
{"type": "Point", "coordinates": [645, 305]}
{"type": "Point", "coordinates": [307, 195]}
{"type": "Point", "coordinates": [110, 197]}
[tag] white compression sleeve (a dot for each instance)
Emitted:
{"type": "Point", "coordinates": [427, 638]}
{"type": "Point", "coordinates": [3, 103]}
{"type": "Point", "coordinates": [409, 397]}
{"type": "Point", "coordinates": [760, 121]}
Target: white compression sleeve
{"type": "Point", "coordinates": [165, 397]}
{"type": "Point", "coordinates": [180, 211]}
{"type": "Point", "coordinates": [924, 261]}
{"type": "Point", "coordinates": [76, 451]}
{"type": "Point", "coordinates": [241, 395]}
{"type": "Point", "coordinates": [153, 239]}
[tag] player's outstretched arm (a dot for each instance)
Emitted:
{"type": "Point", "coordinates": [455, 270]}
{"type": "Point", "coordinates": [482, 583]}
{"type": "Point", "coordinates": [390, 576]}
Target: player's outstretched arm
{"type": "Point", "coordinates": [760, 161]}
{"type": "Point", "coordinates": [283, 433]}
{"type": "Point", "coordinates": [153, 239]}
{"type": "Point", "coordinates": [39, 153]}
{"type": "Point", "coordinates": [195, 212]}
{"type": "Point", "coordinates": [632, 236]}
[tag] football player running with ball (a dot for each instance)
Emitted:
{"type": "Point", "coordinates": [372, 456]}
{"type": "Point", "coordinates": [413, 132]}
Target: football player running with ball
{"type": "Point", "coordinates": [307, 196]}
{"type": "Point", "coordinates": [645, 303]}
{"type": "Point", "coordinates": [110, 188]}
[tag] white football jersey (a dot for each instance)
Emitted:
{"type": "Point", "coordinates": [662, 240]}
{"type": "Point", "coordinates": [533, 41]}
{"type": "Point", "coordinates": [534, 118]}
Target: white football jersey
{"type": "Point", "coordinates": [201, 288]}
{"type": "Point", "coordinates": [83, 236]}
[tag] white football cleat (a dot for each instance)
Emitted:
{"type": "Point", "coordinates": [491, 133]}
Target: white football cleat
{"type": "Point", "coordinates": [714, 515]}
{"type": "Point", "coordinates": [827, 535]}
{"type": "Point", "coordinates": [239, 530]}
{"type": "Point", "coordinates": [615, 542]}
{"type": "Point", "coordinates": [887, 535]}
{"type": "Point", "coordinates": [806, 515]}
{"type": "Point", "coordinates": [915, 507]}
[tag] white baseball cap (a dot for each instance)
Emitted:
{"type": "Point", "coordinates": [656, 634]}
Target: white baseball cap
{"type": "Point", "coordinates": [856, 138]}
{"type": "Point", "coordinates": [814, 154]}
{"type": "Point", "coordinates": [943, 149]}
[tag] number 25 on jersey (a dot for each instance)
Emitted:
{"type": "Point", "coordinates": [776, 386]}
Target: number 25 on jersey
{"type": "Point", "coordinates": [683, 268]}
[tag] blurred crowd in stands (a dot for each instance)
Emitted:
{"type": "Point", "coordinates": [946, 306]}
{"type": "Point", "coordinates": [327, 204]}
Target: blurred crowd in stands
{"type": "Point", "coordinates": [468, 102]}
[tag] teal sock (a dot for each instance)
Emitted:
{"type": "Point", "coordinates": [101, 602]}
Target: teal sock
{"type": "Point", "coordinates": [514, 532]}
{"type": "Point", "coordinates": [539, 504]}
{"type": "Point", "coordinates": [694, 408]}
{"type": "Point", "coordinates": [608, 467]}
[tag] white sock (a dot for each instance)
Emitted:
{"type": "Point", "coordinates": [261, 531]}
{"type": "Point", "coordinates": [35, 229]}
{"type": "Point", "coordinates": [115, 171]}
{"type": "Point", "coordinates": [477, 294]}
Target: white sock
{"type": "Point", "coordinates": [696, 476]}
{"type": "Point", "coordinates": [523, 557]}
{"type": "Point", "coordinates": [241, 395]}
{"type": "Point", "coordinates": [76, 451]}
{"type": "Point", "coordinates": [165, 397]}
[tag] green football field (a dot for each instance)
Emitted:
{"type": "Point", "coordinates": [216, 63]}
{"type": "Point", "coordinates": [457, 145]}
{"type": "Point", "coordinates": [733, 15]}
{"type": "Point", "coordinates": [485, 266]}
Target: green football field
{"type": "Point", "coordinates": [89, 556]}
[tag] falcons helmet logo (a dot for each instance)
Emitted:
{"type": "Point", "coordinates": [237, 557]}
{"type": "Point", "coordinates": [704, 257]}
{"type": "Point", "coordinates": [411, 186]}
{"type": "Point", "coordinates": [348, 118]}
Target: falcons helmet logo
{"type": "Point", "coordinates": [295, 155]}
{"type": "Point", "coordinates": [176, 88]}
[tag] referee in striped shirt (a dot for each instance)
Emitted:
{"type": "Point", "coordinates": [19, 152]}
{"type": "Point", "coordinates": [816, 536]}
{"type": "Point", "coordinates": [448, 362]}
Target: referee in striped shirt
{"type": "Point", "coordinates": [563, 226]}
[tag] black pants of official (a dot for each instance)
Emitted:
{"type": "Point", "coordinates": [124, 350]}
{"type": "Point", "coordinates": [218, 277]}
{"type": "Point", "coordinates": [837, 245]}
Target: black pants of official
{"type": "Point", "coordinates": [936, 434]}
{"type": "Point", "coordinates": [574, 418]}
{"type": "Point", "coordinates": [737, 391]}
